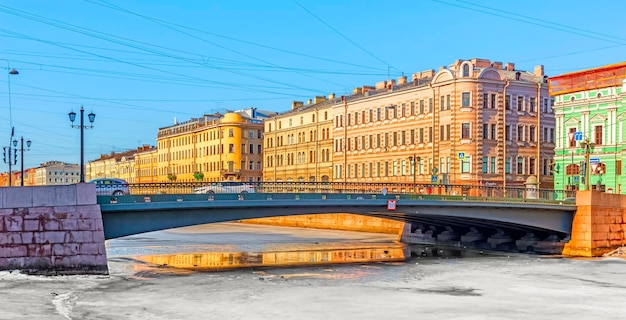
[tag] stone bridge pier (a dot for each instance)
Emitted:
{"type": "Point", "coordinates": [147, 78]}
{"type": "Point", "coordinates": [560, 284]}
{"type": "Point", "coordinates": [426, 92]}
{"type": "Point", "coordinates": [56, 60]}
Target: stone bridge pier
{"type": "Point", "coordinates": [52, 230]}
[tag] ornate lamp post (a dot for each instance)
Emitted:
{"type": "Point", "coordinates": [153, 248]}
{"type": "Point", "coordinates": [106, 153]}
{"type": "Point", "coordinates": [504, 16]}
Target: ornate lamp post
{"type": "Point", "coordinates": [587, 147]}
{"type": "Point", "coordinates": [10, 160]}
{"type": "Point", "coordinates": [28, 142]}
{"type": "Point", "coordinates": [82, 127]}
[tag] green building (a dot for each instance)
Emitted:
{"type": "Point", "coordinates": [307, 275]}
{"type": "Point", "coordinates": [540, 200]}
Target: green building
{"type": "Point", "coordinates": [589, 107]}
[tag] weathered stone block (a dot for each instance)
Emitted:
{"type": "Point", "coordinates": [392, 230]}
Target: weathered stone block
{"type": "Point", "coordinates": [32, 225]}
{"type": "Point", "coordinates": [51, 225]}
{"type": "Point", "coordinates": [69, 224]}
{"type": "Point", "coordinates": [17, 197]}
{"type": "Point", "coordinates": [13, 223]}
{"type": "Point", "coordinates": [39, 250]}
{"type": "Point", "coordinates": [91, 248]}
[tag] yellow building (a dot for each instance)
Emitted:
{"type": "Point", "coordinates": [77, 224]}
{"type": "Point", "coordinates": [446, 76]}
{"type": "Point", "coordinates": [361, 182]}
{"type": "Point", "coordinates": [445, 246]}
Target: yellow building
{"type": "Point", "coordinates": [298, 143]}
{"type": "Point", "coordinates": [113, 165]}
{"type": "Point", "coordinates": [212, 148]}
{"type": "Point", "coordinates": [146, 164]}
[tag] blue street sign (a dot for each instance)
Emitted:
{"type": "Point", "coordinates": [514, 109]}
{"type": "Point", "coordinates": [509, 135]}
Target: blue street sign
{"type": "Point", "coordinates": [594, 160]}
{"type": "Point", "coordinates": [578, 136]}
{"type": "Point", "coordinates": [433, 179]}
{"type": "Point", "coordinates": [461, 155]}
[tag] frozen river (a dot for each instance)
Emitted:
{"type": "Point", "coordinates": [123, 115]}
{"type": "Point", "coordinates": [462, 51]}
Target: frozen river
{"type": "Point", "coordinates": [432, 284]}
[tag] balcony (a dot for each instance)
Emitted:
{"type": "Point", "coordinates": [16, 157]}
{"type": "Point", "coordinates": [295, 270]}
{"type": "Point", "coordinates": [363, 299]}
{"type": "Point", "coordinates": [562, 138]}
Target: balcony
{"type": "Point", "coordinates": [231, 172]}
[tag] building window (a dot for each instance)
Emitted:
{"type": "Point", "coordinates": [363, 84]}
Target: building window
{"type": "Point", "coordinates": [466, 165]}
{"type": "Point", "coordinates": [598, 135]}
{"type": "Point", "coordinates": [465, 130]}
{"type": "Point", "coordinates": [507, 102]}
{"type": "Point", "coordinates": [442, 105]}
{"type": "Point", "coordinates": [531, 166]}
{"type": "Point", "coordinates": [508, 132]}
{"type": "Point", "coordinates": [231, 133]}
{"type": "Point", "coordinates": [533, 105]}
{"type": "Point", "coordinates": [466, 70]}
{"type": "Point", "coordinates": [422, 106]}
{"type": "Point", "coordinates": [485, 100]}
{"type": "Point", "coordinates": [485, 163]}
{"type": "Point", "coordinates": [507, 165]}
{"type": "Point", "coordinates": [485, 131]}
{"type": "Point", "coordinates": [493, 131]}
{"type": "Point", "coordinates": [465, 99]}
{"type": "Point", "coordinates": [520, 165]}
{"type": "Point", "coordinates": [493, 100]}
{"type": "Point", "coordinates": [448, 105]}
{"type": "Point", "coordinates": [492, 165]}
{"type": "Point", "coordinates": [520, 133]}
{"type": "Point", "coordinates": [520, 103]}
{"type": "Point", "coordinates": [231, 148]}
{"type": "Point", "coordinates": [532, 134]}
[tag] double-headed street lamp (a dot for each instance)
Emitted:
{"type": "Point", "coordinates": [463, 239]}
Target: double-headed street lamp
{"type": "Point", "coordinates": [587, 147]}
{"type": "Point", "coordinates": [28, 142]}
{"type": "Point", "coordinates": [82, 127]}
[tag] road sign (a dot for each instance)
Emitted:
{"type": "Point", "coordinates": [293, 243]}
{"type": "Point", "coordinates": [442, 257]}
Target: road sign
{"type": "Point", "coordinates": [578, 136]}
{"type": "Point", "coordinates": [433, 179]}
{"type": "Point", "coordinates": [391, 204]}
{"type": "Point", "coordinates": [461, 155]}
{"type": "Point", "coordinates": [594, 160]}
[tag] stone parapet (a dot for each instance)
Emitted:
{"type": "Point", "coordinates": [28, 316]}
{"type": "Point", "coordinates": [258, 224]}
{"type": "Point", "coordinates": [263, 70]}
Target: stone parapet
{"type": "Point", "coordinates": [52, 230]}
{"type": "Point", "coordinates": [599, 224]}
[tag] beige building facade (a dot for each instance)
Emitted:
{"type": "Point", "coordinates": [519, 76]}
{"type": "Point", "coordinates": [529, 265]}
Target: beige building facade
{"type": "Point", "coordinates": [298, 143]}
{"type": "Point", "coordinates": [475, 122]}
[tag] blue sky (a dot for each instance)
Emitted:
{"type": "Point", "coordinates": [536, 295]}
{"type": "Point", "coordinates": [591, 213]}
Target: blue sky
{"type": "Point", "coordinates": [140, 64]}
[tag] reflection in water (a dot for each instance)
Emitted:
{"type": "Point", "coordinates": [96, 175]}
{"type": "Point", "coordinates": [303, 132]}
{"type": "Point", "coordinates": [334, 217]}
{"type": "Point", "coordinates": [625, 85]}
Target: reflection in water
{"type": "Point", "coordinates": [228, 260]}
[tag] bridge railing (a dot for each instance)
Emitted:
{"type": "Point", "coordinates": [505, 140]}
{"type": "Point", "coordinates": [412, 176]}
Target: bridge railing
{"type": "Point", "coordinates": [165, 190]}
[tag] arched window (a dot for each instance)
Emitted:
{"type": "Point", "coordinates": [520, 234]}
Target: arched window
{"type": "Point", "coordinates": [466, 70]}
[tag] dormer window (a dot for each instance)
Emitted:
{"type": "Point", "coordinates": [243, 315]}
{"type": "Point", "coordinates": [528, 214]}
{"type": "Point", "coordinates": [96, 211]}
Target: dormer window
{"type": "Point", "coordinates": [465, 70]}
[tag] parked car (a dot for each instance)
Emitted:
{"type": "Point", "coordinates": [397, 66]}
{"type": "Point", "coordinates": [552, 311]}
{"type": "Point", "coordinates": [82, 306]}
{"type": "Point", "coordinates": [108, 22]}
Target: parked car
{"type": "Point", "coordinates": [111, 186]}
{"type": "Point", "coordinates": [226, 187]}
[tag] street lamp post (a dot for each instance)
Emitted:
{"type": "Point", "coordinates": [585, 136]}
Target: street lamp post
{"type": "Point", "coordinates": [9, 74]}
{"type": "Point", "coordinates": [28, 142]}
{"type": "Point", "coordinates": [82, 127]}
{"type": "Point", "coordinates": [587, 147]}
{"type": "Point", "coordinates": [413, 160]}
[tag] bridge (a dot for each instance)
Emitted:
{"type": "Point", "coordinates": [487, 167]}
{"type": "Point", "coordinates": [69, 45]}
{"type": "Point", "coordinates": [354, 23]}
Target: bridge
{"type": "Point", "coordinates": [444, 217]}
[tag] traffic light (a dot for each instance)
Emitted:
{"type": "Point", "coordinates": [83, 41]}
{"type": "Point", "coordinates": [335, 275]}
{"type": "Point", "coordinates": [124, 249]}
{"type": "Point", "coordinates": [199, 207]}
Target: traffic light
{"type": "Point", "coordinates": [4, 154]}
{"type": "Point", "coordinates": [15, 156]}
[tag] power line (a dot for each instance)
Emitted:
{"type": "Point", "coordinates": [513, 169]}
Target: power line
{"type": "Point", "coordinates": [342, 35]}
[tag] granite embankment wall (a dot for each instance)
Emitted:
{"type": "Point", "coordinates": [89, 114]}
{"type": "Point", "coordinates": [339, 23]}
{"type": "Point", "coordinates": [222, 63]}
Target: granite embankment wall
{"type": "Point", "coordinates": [334, 221]}
{"type": "Point", "coordinates": [599, 224]}
{"type": "Point", "coordinates": [52, 230]}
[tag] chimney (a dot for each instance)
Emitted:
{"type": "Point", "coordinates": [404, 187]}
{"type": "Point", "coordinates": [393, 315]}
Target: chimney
{"type": "Point", "coordinates": [402, 80]}
{"type": "Point", "coordinates": [319, 99]}
{"type": "Point", "coordinates": [357, 91]}
{"type": "Point", "coordinates": [331, 96]}
{"type": "Point", "coordinates": [309, 101]}
{"type": "Point", "coordinates": [296, 104]}
{"type": "Point", "coordinates": [509, 66]}
{"type": "Point", "coordinates": [497, 65]}
{"type": "Point", "coordinates": [538, 71]}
